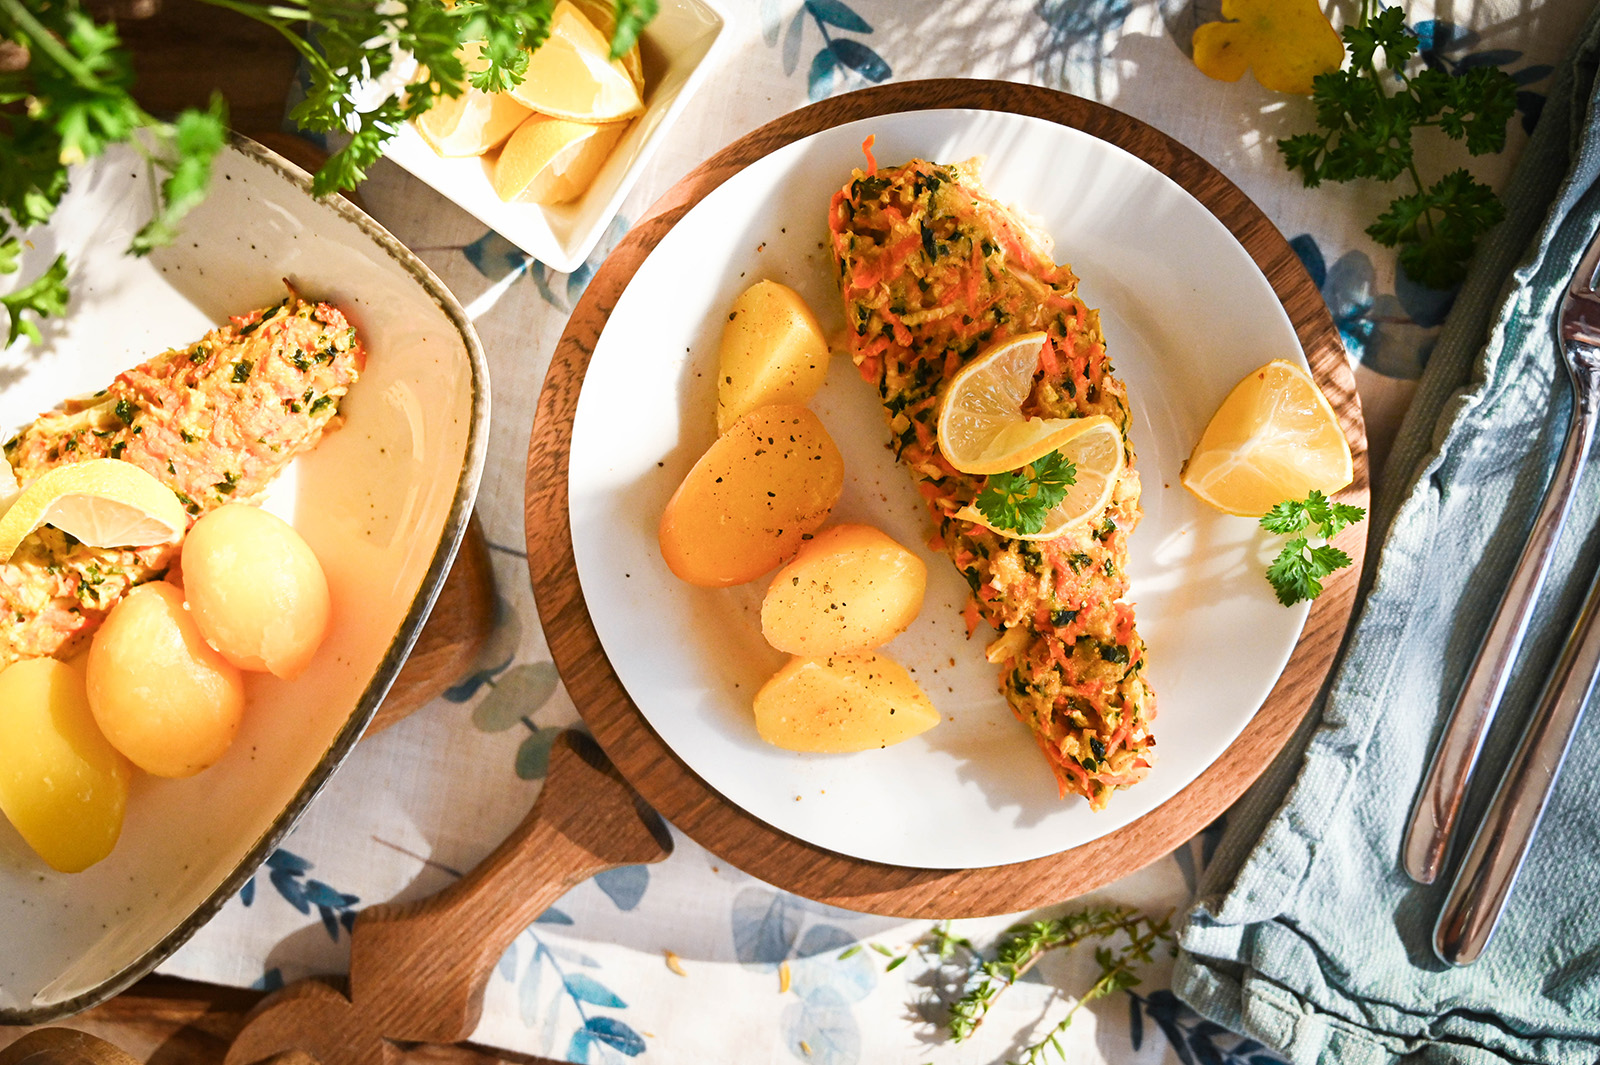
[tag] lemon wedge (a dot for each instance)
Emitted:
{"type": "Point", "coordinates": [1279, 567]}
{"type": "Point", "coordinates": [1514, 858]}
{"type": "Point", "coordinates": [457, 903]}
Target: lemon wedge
{"type": "Point", "coordinates": [102, 502]}
{"type": "Point", "coordinates": [1274, 438]}
{"type": "Point", "coordinates": [475, 121]}
{"type": "Point", "coordinates": [550, 160]}
{"type": "Point", "coordinates": [572, 76]}
{"type": "Point", "coordinates": [603, 13]}
{"type": "Point", "coordinates": [981, 425]}
{"type": "Point", "coordinates": [1094, 447]}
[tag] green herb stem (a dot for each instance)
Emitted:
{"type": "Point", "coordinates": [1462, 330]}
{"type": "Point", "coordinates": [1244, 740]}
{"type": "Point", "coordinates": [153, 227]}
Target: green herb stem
{"type": "Point", "coordinates": [46, 42]}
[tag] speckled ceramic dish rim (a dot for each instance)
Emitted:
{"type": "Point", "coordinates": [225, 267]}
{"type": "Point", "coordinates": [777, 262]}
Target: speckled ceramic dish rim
{"type": "Point", "coordinates": [399, 647]}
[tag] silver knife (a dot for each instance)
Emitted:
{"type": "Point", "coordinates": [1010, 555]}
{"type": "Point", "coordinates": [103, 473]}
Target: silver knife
{"type": "Point", "coordinates": [1438, 802]}
{"type": "Point", "coordinates": [1489, 871]}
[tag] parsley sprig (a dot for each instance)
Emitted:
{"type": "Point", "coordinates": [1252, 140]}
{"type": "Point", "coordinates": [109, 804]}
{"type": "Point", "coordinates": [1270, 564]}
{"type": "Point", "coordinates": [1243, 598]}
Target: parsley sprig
{"type": "Point", "coordinates": [1367, 117]}
{"type": "Point", "coordinates": [1021, 499]}
{"type": "Point", "coordinates": [65, 96]}
{"type": "Point", "coordinates": [1297, 573]}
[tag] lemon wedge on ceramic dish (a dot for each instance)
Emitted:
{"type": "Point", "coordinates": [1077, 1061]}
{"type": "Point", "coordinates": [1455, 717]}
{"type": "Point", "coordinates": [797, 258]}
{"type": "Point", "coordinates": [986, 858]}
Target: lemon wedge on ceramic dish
{"type": "Point", "coordinates": [1094, 447]}
{"type": "Point", "coordinates": [1274, 438]}
{"type": "Point", "coordinates": [102, 502]}
{"type": "Point", "coordinates": [475, 121]}
{"type": "Point", "coordinates": [572, 76]}
{"type": "Point", "coordinates": [550, 160]}
{"type": "Point", "coordinates": [981, 425]}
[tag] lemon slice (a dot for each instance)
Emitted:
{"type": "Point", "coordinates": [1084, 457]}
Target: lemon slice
{"type": "Point", "coordinates": [475, 121]}
{"type": "Point", "coordinates": [981, 425]}
{"type": "Point", "coordinates": [1274, 438]}
{"type": "Point", "coordinates": [550, 160]}
{"type": "Point", "coordinates": [102, 502]}
{"type": "Point", "coordinates": [571, 75]}
{"type": "Point", "coordinates": [1094, 447]}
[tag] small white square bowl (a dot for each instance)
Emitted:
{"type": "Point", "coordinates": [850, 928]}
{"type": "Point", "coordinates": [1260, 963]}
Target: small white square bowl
{"type": "Point", "coordinates": [676, 48]}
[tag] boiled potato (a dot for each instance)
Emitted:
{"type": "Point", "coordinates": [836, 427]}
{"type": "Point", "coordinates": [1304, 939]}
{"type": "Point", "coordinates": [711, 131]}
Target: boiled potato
{"type": "Point", "coordinates": [61, 784]}
{"type": "Point", "coordinates": [842, 703]}
{"type": "Point", "coordinates": [849, 588]}
{"type": "Point", "coordinates": [160, 694]}
{"type": "Point", "coordinates": [256, 590]}
{"type": "Point", "coordinates": [772, 352]}
{"type": "Point", "coordinates": [752, 498]}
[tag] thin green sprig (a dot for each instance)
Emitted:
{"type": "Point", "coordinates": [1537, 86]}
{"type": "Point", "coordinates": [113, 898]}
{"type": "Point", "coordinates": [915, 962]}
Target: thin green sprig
{"type": "Point", "coordinates": [1135, 937]}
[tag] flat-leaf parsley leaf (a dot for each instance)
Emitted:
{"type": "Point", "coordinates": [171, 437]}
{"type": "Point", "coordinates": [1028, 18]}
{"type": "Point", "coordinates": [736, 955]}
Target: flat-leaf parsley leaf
{"type": "Point", "coordinates": [1021, 499]}
{"type": "Point", "coordinates": [1298, 571]}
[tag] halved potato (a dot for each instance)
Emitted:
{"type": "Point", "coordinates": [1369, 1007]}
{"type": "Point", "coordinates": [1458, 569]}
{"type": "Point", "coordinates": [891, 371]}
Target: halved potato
{"type": "Point", "coordinates": [772, 352]}
{"type": "Point", "coordinates": [842, 703]}
{"type": "Point", "coordinates": [160, 694]}
{"type": "Point", "coordinates": [753, 497]}
{"type": "Point", "coordinates": [62, 784]}
{"type": "Point", "coordinates": [849, 588]}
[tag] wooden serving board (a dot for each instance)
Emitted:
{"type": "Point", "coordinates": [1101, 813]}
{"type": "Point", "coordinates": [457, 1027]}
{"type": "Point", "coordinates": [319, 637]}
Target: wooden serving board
{"type": "Point", "coordinates": [717, 824]}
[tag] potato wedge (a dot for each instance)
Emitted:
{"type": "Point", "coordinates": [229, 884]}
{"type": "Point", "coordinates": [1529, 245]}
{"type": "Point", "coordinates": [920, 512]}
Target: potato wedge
{"type": "Point", "coordinates": [842, 703]}
{"type": "Point", "coordinates": [753, 497]}
{"type": "Point", "coordinates": [849, 588]}
{"type": "Point", "coordinates": [772, 352]}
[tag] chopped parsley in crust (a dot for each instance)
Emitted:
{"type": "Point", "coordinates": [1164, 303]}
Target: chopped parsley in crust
{"type": "Point", "coordinates": [214, 421]}
{"type": "Point", "coordinates": [934, 272]}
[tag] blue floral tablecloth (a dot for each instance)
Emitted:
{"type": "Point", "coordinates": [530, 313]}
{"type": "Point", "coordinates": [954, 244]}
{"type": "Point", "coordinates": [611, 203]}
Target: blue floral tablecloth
{"type": "Point", "coordinates": [692, 961]}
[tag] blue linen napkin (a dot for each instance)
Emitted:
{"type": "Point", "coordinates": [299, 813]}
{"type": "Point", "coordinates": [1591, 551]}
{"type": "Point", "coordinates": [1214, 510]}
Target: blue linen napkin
{"type": "Point", "coordinates": [1306, 933]}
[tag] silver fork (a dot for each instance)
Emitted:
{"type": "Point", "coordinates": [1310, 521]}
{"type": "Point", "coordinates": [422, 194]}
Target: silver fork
{"type": "Point", "coordinates": [1438, 803]}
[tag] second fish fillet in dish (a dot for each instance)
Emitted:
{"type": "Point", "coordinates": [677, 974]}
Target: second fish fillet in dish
{"type": "Point", "coordinates": [934, 272]}
{"type": "Point", "coordinates": [214, 421]}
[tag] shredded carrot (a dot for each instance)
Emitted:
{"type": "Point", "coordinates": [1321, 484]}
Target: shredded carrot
{"type": "Point", "coordinates": [866, 149]}
{"type": "Point", "coordinates": [836, 216]}
{"type": "Point", "coordinates": [969, 614]}
{"type": "Point", "coordinates": [1047, 358]}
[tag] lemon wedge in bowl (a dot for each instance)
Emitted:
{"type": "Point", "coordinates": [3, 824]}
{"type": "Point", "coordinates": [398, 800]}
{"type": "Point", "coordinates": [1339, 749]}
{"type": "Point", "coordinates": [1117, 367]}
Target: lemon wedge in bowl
{"type": "Point", "coordinates": [474, 122]}
{"type": "Point", "coordinates": [572, 75]}
{"type": "Point", "coordinates": [981, 425]}
{"type": "Point", "coordinates": [1094, 447]}
{"type": "Point", "coordinates": [1274, 438]}
{"type": "Point", "coordinates": [102, 502]}
{"type": "Point", "coordinates": [551, 160]}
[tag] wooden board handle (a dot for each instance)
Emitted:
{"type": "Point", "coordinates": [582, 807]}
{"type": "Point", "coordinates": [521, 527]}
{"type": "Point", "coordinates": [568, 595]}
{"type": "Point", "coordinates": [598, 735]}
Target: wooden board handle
{"type": "Point", "coordinates": [418, 970]}
{"type": "Point", "coordinates": [64, 1046]}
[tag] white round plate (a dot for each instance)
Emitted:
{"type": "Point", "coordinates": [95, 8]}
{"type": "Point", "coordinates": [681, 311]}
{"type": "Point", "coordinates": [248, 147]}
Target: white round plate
{"type": "Point", "coordinates": [1186, 314]}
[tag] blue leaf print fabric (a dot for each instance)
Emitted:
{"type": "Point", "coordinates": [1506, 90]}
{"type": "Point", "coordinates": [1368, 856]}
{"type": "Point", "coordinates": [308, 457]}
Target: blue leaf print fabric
{"type": "Point", "coordinates": [1389, 333]}
{"type": "Point", "coordinates": [840, 62]}
{"type": "Point", "coordinates": [1077, 38]}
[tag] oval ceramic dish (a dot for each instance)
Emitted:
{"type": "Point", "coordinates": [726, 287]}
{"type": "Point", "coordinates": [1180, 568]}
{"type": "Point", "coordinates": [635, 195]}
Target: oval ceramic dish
{"type": "Point", "coordinates": [1196, 288]}
{"type": "Point", "coordinates": [384, 502]}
